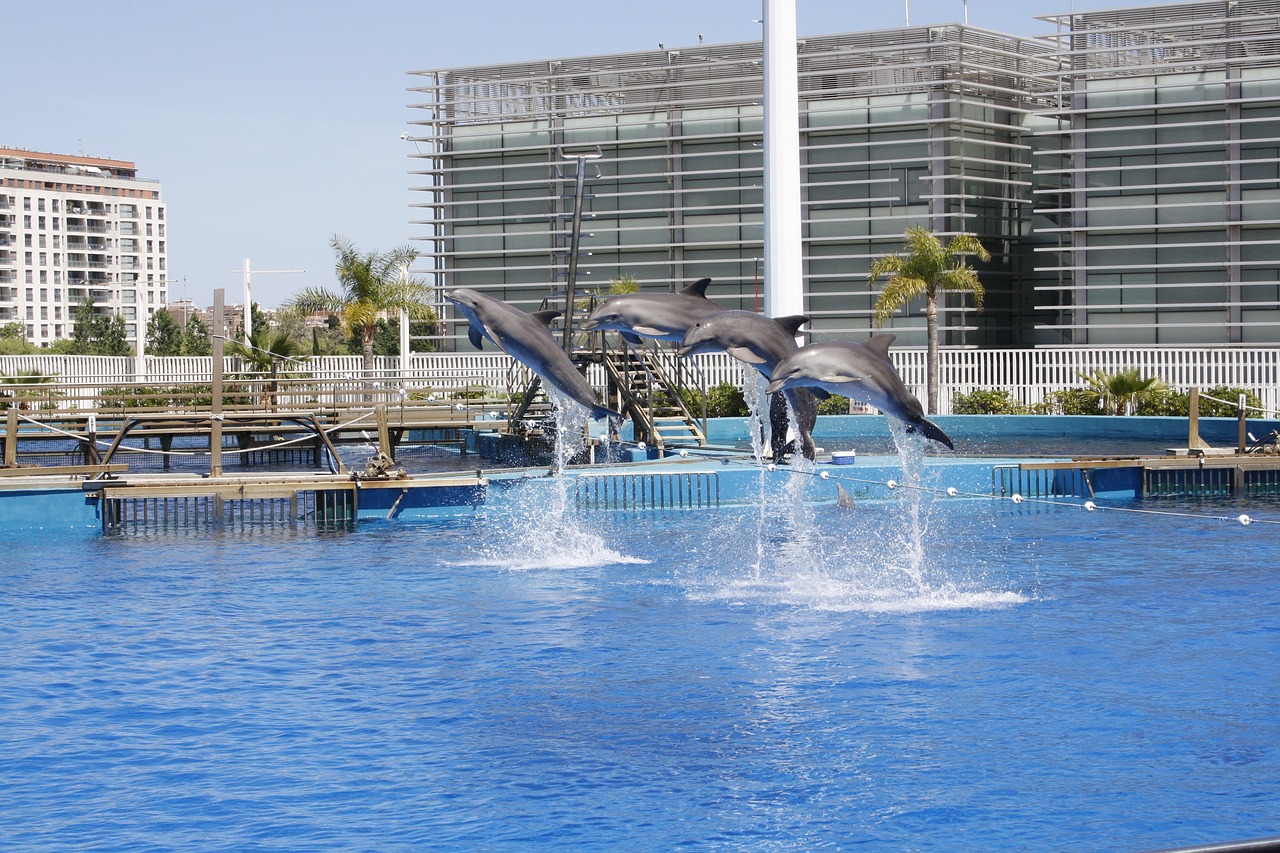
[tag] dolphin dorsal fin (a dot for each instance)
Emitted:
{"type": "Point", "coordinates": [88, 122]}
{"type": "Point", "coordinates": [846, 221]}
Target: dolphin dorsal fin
{"type": "Point", "coordinates": [792, 323]}
{"type": "Point", "coordinates": [879, 344]}
{"type": "Point", "coordinates": [698, 288]}
{"type": "Point", "coordinates": [545, 317]}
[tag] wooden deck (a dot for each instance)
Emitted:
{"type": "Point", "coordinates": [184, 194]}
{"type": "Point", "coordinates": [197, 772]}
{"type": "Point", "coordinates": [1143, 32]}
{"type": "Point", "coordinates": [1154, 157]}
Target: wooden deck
{"type": "Point", "coordinates": [1215, 474]}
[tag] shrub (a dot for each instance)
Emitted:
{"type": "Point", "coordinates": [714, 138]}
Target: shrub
{"type": "Point", "coordinates": [834, 405]}
{"type": "Point", "coordinates": [1069, 401]}
{"type": "Point", "coordinates": [1171, 404]}
{"type": "Point", "coordinates": [1214, 409]}
{"type": "Point", "coordinates": [987, 401]}
{"type": "Point", "coordinates": [726, 401]}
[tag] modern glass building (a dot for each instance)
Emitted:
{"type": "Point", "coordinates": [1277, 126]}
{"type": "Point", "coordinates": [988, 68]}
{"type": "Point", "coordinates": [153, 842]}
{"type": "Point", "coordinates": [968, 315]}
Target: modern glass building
{"type": "Point", "coordinates": [1121, 170]}
{"type": "Point", "coordinates": [1161, 188]}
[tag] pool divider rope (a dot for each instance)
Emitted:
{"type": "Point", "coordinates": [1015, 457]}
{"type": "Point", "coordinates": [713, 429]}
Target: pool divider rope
{"type": "Point", "coordinates": [1016, 498]}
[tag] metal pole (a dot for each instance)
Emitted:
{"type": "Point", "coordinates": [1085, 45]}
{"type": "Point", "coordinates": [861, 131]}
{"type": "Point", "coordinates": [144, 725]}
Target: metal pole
{"type": "Point", "coordinates": [575, 238]}
{"type": "Point", "coordinates": [783, 253]}
{"type": "Point", "coordinates": [215, 428]}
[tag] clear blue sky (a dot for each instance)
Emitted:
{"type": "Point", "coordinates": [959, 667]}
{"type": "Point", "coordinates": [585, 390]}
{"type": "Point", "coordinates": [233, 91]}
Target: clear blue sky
{"type": "Point", "coordinates": [274, 124]}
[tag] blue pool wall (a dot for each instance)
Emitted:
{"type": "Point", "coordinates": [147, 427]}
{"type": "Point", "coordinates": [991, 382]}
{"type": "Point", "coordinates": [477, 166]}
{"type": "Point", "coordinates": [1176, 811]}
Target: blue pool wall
{"type": "Point", "coordinates": [1216, 431]}
{"type": "Point", "coordinates": [64, 507]}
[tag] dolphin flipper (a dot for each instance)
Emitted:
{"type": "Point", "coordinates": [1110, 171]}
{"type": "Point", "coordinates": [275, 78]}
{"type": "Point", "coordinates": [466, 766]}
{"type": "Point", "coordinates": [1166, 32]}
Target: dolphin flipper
{"type": "Point", "coordinates": [474, 335]}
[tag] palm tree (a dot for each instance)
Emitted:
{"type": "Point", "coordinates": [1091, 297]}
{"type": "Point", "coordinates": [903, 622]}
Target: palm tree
{"type": "Point", "coordinates": [374, 284]}
{"type": "Point", "coordinates": [927, 268]}
{"type": "Point", "coordinates": [1120, 392]}
{"type": "Point", "coordinates": [264, 352]}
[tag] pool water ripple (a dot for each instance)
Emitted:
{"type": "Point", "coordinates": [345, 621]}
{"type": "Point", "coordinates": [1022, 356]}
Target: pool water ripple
{"type": "Point", "coordinates": [1032, 679]}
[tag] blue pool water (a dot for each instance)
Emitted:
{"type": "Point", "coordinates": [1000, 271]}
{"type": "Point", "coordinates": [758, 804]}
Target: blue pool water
{"type": "Point", "coordinates": [916, 673]}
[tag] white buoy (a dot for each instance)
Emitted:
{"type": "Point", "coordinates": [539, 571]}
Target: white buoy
{"type": "Point", "coordinates": [893, 484]}
{"type": "Point", "coordinates": [826, 475]}
{"type": "Point", "coordinates": [1016, 498]}
{"type": "Point", "coordinates": [1244, 519]}
{"type": "Point", "coordinates": [684, 453]}
{"type": "Point", "coordinates": [952, 491]}
{"type": "Point", "coordinates": [1090, 505]}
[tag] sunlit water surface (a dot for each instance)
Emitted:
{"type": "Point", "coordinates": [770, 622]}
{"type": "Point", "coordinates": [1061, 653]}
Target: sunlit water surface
{"type": "Point", "coordinates": [922, 673]}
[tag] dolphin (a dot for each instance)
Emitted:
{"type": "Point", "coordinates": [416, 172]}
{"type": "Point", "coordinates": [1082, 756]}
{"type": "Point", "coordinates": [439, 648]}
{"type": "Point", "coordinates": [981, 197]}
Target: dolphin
{"type": "Point", "coordinates": [665, 316]}
{"type": "Point", "coordinates": [860, 371]}
{"type": "Point", "coordinates": [526, 338]}
{"type": "Point", "coordinates": [761, 342]}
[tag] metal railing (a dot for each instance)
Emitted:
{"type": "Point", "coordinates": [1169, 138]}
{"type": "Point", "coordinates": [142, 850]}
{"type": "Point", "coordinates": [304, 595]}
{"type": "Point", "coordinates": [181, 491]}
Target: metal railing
{"type": "Point", "coordinates": [1029, 374]}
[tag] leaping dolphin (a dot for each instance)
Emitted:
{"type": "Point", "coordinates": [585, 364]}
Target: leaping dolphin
{"type": "Point", "coordinates": [665, 316]}
{"type": "Point", "coordinates": [527, 338]}
{"type": "Point", "coordinates": [761, 342]}
{"type": "Point", "coordinates": [860, 371]}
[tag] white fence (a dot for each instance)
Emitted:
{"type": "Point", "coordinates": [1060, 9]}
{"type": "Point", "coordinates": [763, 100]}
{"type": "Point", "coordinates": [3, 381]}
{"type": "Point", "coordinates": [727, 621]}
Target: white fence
{"type": "Point", "coordinates": [1029, 374]}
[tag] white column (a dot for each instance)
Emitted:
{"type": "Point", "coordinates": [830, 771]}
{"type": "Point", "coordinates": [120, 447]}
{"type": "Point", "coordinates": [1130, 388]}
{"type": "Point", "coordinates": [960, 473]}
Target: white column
{"type": "Point", "coordinates": [783, 253]}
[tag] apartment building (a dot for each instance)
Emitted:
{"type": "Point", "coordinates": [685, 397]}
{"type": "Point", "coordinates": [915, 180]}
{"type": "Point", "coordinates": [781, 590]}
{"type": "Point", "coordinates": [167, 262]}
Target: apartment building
{"type": "Point", "coordinates": [1121, 169]}
{"type": "Point", "coordinates": [75, 228]}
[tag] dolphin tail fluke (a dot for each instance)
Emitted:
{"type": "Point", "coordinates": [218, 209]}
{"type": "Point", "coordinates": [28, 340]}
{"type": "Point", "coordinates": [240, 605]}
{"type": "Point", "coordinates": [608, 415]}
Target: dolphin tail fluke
{"type": "Point", "coordinates": [600, 413]}
{"type": "Point", "coordinates": [931, 431]}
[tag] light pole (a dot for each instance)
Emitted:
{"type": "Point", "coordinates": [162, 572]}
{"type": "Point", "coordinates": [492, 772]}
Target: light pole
{"type": "Point", "coordinates": [246, 272]}
{"type": "Point", "coordinates": [140, 330]}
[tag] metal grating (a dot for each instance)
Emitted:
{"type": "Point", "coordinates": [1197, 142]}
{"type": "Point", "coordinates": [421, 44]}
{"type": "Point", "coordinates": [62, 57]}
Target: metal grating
{"type": "Point", "coordinates": [178, 513]}
{"type": "Point", "coordinates": [697, 490]}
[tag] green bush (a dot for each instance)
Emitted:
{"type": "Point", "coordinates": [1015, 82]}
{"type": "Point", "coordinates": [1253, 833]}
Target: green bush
{"type": "Point", "coordinates": [1213, 409]}
{"type": "Point", "coordinates": [1069, 401]}
{"type": "Point", "coordinates": [134, 397]}
{"type": "Point", "coordinates": [1170, 404]}
{"type": "Point", "coordinates": [987, 401]}
{"type": "Point", "coordinates": [726, 401]}
{"type": "Point", "coordinates": [834, 405]}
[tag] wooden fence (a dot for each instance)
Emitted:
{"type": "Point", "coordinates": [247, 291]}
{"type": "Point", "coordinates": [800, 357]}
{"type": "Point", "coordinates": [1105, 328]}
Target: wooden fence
{"type": "Point", "coordinates": [1029, 374]}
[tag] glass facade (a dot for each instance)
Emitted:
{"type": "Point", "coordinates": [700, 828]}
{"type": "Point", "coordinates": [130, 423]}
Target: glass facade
{"type": "Point", "coordinates": [1165, 151]}
{"type": "Point", "coordinates": [1123, 173]}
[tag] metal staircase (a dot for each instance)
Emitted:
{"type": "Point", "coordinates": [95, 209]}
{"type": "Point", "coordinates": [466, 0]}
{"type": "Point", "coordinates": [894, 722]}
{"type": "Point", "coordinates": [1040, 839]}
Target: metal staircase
{"type": "Point", "coordinates": [652, 386]}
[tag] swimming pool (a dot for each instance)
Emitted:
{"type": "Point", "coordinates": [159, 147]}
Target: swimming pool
{"type": "Point", "coordinates": [916, 673]}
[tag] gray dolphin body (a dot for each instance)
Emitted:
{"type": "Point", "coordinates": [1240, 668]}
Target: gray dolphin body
{"type": "Point", "coordinates": [527, 338]}
{"type": "Point", "coordinates": [665, 316]}
{"type": "Point", "coordinates": [860, 371]}
{"type": "Point", "coordinates": [761, 342]}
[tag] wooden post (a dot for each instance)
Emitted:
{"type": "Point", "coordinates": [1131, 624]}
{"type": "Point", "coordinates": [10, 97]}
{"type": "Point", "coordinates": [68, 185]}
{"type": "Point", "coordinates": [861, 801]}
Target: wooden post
{"type": "Point", "coordinates": [384, 433]}
{"type": "Point", "coordinates": [1242, 431]}
{"type": "Point", "coordinates": [1194, 441]}
{"type": "Point", "coordinates": [11, 436]}
{"type": "Point", "coordinates": [215, 427]}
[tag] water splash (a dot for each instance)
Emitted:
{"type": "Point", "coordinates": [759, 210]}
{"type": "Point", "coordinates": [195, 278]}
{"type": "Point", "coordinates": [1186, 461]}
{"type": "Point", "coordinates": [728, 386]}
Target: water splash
{"type": "Point", "coordinates": [877, 557]}
{"type": "Point", "coordinates": [540, 528]}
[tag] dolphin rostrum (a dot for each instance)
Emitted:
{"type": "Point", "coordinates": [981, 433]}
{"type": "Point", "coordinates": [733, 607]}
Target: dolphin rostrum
{"type": "Point", "coordinates": [860, 371]}
{"type": "Point", "coordinates": [665, 316]}
{"type": "Point", "coordinates": [761, 342]}
{"type": "Point", "coordinates": [527, 338]}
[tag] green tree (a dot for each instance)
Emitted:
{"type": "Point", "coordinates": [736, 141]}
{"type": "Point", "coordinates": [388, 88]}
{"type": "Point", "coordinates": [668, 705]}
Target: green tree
{"type": "Point", "coordinates": [164, 335]}
{"type": "Point", "coordinates": [1122, 391]}
{"type": "Point", "coordinates": [386, 338]}
{"type": "Point", "coordinates": [267, 348]}
{"type": "Point", "coordinates": [927, 269]}
{"type": "Point", "coordinates": [98, 334]}
{"type": "Point", "coordinates": [195, 337]}
{"type": "Point", "coordinates": [13, 340]}
{"type": "Point", "coordinates": [374, 285]}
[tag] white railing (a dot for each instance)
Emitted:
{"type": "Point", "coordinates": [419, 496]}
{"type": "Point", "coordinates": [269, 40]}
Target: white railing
{"type": "Point", "coordinates": [1029, 374]}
